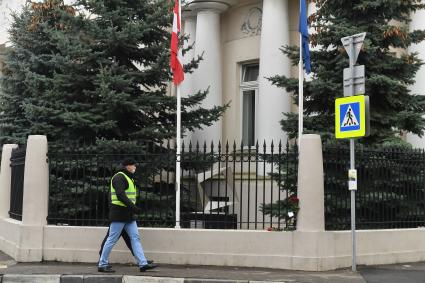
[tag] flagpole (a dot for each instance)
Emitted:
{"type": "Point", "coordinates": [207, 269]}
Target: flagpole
{"type": "Point", "coordinates": [178, 158]}
{"type": "Point", "coordinates": [300, 89]}
{"type": "Point", "coordinates": [178, 145]}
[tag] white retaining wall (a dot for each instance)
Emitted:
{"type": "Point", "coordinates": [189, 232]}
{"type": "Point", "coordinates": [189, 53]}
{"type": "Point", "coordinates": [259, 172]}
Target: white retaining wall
{"type": "Point", "coordinates": [313, 251]}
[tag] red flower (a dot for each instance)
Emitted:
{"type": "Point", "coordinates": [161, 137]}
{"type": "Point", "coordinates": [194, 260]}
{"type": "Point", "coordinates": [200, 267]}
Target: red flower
{"type": "Point", "coordinates": [294, 199]}
{"type": "Point", "coordinates": [270, 229]}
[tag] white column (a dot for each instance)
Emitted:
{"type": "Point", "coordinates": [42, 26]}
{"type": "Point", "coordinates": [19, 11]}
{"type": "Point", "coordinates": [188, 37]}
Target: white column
{"type": "Point", "coordinates": [35, 202]}
{"type": "Point", "coordinates": [5, 180]}
{"type": "Point", "coordinates": [208, 75]}
{"type": "Point", "coordinates": [418, 23]}
{"type": "Point", "coordinates": [36, 182]}
{"type": "Point", "coordinates": [187, 89]}
{"type": "Point", "coordinates": [311, 216]}
{"type": "Point", "coordinates": [273, 100]}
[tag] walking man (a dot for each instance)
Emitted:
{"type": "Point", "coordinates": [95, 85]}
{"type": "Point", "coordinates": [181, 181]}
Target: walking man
{"type": "Point", "coordinates": [122, 214]}
{"type": "Point", "coordinates": [127, 241]}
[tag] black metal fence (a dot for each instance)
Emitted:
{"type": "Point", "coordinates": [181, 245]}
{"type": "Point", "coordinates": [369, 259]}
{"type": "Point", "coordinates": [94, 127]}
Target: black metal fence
{"type": "Point", "coordinates": [223, 186]}
{"type": "Point", "coordinates": [390, 190]}
{"type": "Point", "coordinates": [17, 164]}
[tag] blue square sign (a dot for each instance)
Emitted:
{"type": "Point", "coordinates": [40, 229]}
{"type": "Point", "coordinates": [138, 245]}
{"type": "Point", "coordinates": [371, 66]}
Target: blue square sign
{"type": "Point", "coordinates": [350, 116]}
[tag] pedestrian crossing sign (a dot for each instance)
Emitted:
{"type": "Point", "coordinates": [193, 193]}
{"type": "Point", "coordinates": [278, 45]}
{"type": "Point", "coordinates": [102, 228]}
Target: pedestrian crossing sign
{"type": "Point", "coordinates": [351, 117]}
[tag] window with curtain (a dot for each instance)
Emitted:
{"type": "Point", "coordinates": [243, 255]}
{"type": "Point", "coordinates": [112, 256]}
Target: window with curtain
{"type": "Point", "coordinates": [249, 93]}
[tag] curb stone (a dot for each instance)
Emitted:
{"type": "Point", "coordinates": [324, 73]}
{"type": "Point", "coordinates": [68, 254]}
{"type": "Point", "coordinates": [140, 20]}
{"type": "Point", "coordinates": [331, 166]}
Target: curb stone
{"type": "Point", "coordinates": [72, 279]}
{"type": "Point", "coordinates": [214, 281]}
{"type": "Point", "coordinates": [20, 278]}
{"type": "Point", "coordinates": [147, 279]}
{"type": "Point", "coordinates": [103, 279]}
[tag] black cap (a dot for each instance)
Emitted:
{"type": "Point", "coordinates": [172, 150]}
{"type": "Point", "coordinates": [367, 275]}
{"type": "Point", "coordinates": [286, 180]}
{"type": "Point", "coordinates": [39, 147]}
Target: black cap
{"type": "Point", "coordinates": [128, 161]}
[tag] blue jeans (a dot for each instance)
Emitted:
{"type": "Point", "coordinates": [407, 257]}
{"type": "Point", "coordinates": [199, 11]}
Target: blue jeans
{"type": "Point", "coordinates": [115, 230]}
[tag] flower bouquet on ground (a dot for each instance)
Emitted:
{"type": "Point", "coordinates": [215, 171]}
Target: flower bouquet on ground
{"type": "Point", "coordinates": [285, 210]}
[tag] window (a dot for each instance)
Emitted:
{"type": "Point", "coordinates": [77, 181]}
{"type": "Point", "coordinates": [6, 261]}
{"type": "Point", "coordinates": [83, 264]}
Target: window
{"type": "Point", "coordinates": [249, 98]}
{"type": "Point", "coordinates": [250, 73]}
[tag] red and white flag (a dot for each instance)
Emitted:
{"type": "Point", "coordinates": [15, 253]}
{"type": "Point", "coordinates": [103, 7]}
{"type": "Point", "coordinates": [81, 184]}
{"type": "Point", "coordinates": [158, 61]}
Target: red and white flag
{"type": "Point", "coordinates": [175, 61]}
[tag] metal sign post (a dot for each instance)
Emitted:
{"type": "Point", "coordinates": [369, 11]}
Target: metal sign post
{"type": "Point", "coordinates": [352, 45]}
{"type": "Point", "coordinates": [353, 167]}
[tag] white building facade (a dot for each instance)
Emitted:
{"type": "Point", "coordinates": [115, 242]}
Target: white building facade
{"type": "Point", "coordinates": [240, 41]}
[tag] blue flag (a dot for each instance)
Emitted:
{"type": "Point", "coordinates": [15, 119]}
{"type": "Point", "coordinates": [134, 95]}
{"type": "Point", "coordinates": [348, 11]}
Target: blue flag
{"type": "Point", "coordinates": [303, 29]}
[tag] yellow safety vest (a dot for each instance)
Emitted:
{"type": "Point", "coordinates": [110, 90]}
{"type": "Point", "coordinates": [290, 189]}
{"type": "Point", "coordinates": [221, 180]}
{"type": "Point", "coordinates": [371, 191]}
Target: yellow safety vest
{"type": "Point", "coordinates": [130, 192]}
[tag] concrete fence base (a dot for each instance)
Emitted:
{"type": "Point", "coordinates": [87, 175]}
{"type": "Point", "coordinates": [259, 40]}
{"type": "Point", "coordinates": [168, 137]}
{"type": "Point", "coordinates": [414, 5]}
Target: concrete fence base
{"type": "Point", "coordinates": [310, 251]}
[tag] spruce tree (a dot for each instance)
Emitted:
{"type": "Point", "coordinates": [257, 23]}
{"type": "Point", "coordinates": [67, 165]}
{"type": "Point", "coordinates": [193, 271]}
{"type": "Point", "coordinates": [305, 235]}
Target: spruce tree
{"type": "Point", "coordinates": [97, 70]}
{"type": "Point", "coordinates": [390, 68]}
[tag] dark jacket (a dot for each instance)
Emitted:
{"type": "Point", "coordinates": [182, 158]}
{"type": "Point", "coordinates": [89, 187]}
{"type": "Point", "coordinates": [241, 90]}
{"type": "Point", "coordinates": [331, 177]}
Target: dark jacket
{"type": "Point", "coordinates": [119, 213]}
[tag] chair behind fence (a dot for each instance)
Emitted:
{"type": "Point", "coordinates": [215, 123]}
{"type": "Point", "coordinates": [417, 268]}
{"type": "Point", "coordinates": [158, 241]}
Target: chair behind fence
{"type": "Point", "coordinates": [225, 186]}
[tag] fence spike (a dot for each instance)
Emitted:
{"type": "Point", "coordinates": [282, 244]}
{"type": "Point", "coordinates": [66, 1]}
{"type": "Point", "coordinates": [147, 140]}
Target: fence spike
{"type": "Point", "coordinates": [197, 146]}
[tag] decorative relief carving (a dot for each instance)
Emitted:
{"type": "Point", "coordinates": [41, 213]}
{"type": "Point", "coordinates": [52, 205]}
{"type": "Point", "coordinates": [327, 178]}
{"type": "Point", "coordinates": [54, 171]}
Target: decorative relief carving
{"type": "Point", "coordinates": [252, 22]}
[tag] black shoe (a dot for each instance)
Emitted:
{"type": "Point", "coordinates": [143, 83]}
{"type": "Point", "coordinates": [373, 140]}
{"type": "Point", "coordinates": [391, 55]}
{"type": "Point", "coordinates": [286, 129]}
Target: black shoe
{"type": "Point", "coordinates": [147, 267]}
{"type": "Point", "coordinates": [150, 261]}
{"type": "Point", "coordinates": [106, 269]}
